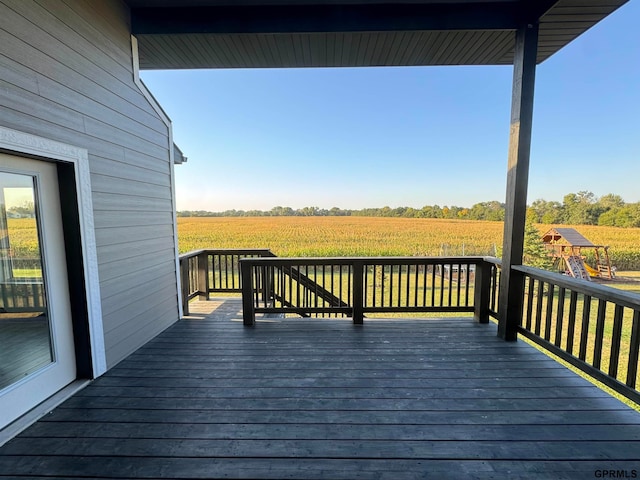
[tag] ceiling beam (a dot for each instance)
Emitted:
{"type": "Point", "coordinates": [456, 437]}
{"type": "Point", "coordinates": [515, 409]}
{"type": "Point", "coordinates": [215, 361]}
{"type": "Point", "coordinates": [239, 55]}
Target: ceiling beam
{"type": "Point", "coordinates": [335, 18]}
{"type": "Point", "coordinates": [533, 11]}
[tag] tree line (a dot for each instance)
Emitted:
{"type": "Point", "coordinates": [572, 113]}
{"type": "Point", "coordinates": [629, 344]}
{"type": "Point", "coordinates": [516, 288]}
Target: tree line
{"type": "Point", "coordinates": [582, 208]}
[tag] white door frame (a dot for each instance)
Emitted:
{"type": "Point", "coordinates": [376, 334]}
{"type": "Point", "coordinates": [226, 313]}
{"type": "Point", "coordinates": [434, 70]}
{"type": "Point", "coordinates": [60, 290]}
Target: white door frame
{"type": "Point", "coordinates": [19, 143]}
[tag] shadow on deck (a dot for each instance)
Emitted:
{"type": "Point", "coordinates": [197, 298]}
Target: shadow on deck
{"type": "Point", "coordinates": [309, 398]}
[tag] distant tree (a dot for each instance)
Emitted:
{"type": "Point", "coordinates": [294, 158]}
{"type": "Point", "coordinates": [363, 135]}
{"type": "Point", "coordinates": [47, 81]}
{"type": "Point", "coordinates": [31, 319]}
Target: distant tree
{"type": "Point", "coordinates": [410, 212]}
{"type": "Point", "coordinates": [608, 219]}
{"type": "Point", "coordinates": [610, 200]}
{"type": "Point", "coordinates": [25, 210]}
{"type": "Point", "coordinates": [429, 211]}
{"type": "Point", "coordinates": [634, 213]}
{"type": "Point", "coordinates": [281, 211]}
{"type": "Point", "coordinates": [385, 211]}
{"type": "Point", "coordinates": [625, 217]}
{"type": "Point", "coordinates": [309, 211]}
{"type": "Point", "coordinates": [614, 212]}
{"type": "Point", "coordinates": [493, 211]}
{"type": "Point", "coordinates": [398, 212]}
{"type": "Point", "coordinates": [338, 212]}
{"type": "Point", "coordinates": [553, 214]}
{"type": "Point", "coordinates": [542, 211]}
{"type": "Point", "coordinates": [454, 211]}
{"type": "Point", "coordinates": [581, 208]}
{"type": "Point", "coordinates": [577, 208]}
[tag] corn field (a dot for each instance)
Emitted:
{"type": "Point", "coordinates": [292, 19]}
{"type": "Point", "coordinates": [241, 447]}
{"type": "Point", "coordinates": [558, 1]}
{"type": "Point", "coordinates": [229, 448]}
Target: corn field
{"type": "Point", "coordinates": [376, 236]}
{"type": "Point", "coordinates": [354, 236]}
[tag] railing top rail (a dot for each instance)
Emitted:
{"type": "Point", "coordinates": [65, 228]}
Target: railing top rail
{"type": "Point", "coordinates": [493, 260]}
{"type": "Point", "coordinates": [190, 254]}
{"type": "Point", "coordinates": [364, 260]}
{"type": "Point", "coordinates": [227, 251]}
{"type": "Point", "coordinates": [240, 251]}
{"type": "Point", "coordinates": [603, 292]}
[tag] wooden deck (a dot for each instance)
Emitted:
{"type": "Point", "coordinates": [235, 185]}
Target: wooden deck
{"type": "Point", "coordinates": [309, 398]}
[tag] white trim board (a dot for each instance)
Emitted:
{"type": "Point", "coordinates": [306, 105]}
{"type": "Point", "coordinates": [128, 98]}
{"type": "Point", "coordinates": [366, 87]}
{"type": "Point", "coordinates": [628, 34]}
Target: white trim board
{"type": "Point", "coordinates": [167, 121]}
{"type": "Point", "coordinates": [19, 143]}
{"type": "Point", "coordinates": [32, 416]}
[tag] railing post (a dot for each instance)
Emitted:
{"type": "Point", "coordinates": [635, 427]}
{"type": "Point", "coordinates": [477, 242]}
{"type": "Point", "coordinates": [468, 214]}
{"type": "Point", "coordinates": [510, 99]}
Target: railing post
{"type": "Point", "coordinates": [203, 276]}
{"type": "Point", "coordinates": [266, 285]}
{"type": "Point", "coordinates": [482, 292]}
{"type": "Point", "coordinates": [358, 291]}
{"type": "Point", "coordinates": [184, 280]}
{"type": "Point", "coordinates": [248, 312]}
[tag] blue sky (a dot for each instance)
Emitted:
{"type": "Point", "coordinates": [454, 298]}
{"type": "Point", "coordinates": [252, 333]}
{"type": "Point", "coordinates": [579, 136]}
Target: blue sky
{"type": "Point", "coordinates": [415, 136]}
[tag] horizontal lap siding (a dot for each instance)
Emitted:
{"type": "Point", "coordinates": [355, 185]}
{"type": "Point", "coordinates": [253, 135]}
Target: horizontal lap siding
{"type": "Point", "coordinates": [66, 74]}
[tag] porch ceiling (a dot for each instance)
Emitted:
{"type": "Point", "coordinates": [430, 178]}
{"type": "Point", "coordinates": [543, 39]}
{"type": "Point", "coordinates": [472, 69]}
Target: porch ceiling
{"type": "Point", "coordinates": [175, 34]}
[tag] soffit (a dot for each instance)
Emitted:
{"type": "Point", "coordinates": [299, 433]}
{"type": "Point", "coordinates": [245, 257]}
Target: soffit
{"type": "Point", "coordinates": [186, 34]}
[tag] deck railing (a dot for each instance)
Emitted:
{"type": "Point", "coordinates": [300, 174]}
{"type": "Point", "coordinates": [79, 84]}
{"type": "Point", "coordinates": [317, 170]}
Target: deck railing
{"type": "Point", "coordinates": [22, 296]}
{"type": "Point", "coordinates": [594, 327]}
{"type": "Point", "coordinates": [361, 285]}
{"type": "Point", "coordinates": [203, 272]}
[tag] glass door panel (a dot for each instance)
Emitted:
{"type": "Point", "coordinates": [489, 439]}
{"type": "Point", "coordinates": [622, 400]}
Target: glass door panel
{"type": "Point", "coordinates": [25, 330]}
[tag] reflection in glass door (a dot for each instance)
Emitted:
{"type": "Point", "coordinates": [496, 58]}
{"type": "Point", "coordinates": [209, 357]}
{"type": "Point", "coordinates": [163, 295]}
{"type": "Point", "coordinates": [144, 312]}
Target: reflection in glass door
{"type": "Point", "coordinates": [25, 337]}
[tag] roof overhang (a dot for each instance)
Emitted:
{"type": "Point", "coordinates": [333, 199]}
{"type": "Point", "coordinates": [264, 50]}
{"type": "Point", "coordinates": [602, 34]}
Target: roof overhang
{"type": "Point", "coordinates": [178, 156]}
{"type": "Point", "coordinates": [174, 34]}
{"type": "Point", "coordinates": [570, 236]}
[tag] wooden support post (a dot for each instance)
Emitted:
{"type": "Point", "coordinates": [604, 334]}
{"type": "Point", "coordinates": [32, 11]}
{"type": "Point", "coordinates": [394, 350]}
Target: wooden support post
{"type": "Point", "coordinates": [203, 276]}
{"type": "Point", "coordinates": [248, 312]}
{"type": "Point", "coordinates": [482, 292]}
{"type": "Point", "coordinates": [511, 294]}
{"type": "Point", "coordinates": [358, 292]}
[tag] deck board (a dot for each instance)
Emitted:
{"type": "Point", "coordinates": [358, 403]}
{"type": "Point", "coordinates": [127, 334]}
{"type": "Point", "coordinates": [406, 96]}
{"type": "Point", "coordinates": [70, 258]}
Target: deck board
{"type": "Point", "coordinates": [310, 398]}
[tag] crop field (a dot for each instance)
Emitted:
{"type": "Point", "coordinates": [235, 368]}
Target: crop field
{"type": "Point", "coordinates": [354, 236]}
{"type": "Point", "coordinates": [24, 247]}
{"type": "Point", "coordinates": [23, 236]}
{"type": "Point", "coordinates": [375, 236]}
{"type": "Point", "coordinates": [340, 236]}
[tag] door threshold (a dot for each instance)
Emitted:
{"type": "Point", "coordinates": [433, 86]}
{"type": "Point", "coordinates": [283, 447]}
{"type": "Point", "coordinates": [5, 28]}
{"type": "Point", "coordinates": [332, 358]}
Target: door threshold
{"type": "Point", "coordinates": [39, 411]}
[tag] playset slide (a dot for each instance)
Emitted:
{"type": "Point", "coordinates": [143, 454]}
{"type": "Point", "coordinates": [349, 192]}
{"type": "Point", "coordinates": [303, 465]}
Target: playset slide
{"type": "Point", "coordinates": [592, 271]}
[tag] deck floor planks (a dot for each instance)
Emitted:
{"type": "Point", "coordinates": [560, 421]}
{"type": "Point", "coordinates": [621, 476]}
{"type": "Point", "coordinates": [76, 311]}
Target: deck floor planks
{"type": "Point", "coordinates": [309, 398]}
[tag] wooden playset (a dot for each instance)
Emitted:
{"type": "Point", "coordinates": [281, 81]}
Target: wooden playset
{"type": "Point", "coordinates": [565, 245]}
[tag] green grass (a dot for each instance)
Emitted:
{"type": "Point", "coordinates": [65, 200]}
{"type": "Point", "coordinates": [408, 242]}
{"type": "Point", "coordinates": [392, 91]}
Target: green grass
{"type": "Point", "coordinates": [631, 282]}
{"type": "Point", "coordinates": [549, 331]}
